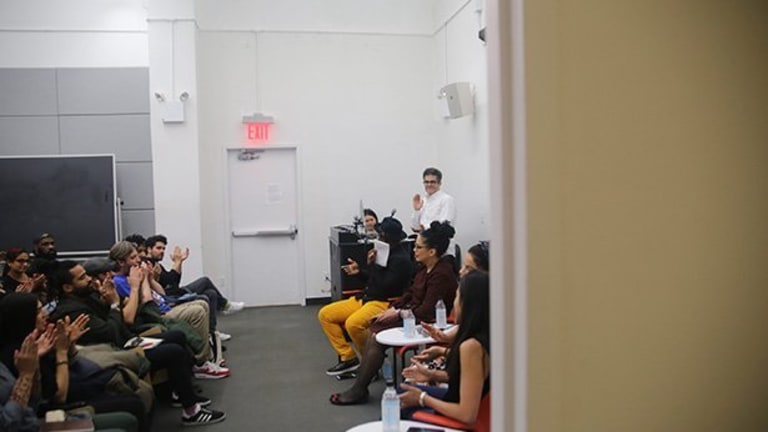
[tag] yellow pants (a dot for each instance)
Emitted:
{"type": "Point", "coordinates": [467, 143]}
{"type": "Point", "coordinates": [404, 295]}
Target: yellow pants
{"type": "Point", "coordinates": [354, 316]}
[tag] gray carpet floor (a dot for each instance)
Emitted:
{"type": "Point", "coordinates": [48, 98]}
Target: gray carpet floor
{"type": "Point", "coordinates": [278, 357]}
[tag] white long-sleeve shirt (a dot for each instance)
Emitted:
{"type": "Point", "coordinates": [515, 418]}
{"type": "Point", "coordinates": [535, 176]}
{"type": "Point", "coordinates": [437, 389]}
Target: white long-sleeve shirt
{"type": "Point", "coordinates": [436, 207]}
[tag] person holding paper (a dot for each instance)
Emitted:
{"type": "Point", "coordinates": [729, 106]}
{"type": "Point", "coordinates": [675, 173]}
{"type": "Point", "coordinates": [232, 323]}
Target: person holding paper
{"type": "Point", "coordinates": [388, 275]}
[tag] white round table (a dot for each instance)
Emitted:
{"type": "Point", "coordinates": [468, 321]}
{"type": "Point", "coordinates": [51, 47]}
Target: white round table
{"type": "Point", "coordinates": [404, 425]}
{"type": "Point", "coordinates": [396, 337]}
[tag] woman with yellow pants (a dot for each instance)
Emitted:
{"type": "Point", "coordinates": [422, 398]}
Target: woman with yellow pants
{"type": "Point", "coordinates": [355, 313]}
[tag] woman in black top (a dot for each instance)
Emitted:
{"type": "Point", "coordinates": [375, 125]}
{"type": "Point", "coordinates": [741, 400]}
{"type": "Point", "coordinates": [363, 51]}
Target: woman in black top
{"type": "Point", "coordinates": [15, 276]}
{"type": "Point", "coordinates": [64, 378]}
{"type": "Point", "coordinates": [468, 370]}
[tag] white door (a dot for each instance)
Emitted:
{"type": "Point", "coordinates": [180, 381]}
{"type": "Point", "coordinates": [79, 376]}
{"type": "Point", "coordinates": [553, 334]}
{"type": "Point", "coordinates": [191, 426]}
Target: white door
{"type": "Point", "coordinates": [263, 213]}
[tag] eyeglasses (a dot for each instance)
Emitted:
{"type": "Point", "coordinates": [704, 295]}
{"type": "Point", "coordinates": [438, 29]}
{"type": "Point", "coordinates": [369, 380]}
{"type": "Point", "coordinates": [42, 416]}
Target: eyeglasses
{"type": "Point", "coordinates": [431, 182]}
{"type": "Point", "coordinates": [418, 246]}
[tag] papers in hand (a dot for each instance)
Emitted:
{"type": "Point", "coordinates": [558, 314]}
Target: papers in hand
{"type": "Point", "coordinates": [382, 252]}
{"type": "Point", "coordinates": [142, 342]}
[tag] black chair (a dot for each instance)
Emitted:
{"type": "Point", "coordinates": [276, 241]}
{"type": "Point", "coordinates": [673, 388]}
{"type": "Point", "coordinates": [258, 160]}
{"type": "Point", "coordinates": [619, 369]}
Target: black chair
{"type": "Point", "coordinates": [457, 263]}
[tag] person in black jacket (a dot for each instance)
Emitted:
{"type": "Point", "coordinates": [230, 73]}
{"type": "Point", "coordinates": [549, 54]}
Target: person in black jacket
{"type": "Point", "coordinates": [355, 313]}
{"type": "Point", "coordinates": [78, 295]}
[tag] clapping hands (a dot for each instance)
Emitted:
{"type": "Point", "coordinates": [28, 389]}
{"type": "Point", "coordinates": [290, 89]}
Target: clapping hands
{"type": "Point", "coordinates": [26, 357]}
{"type": "Point", "coordinates": [179, 255]}
{"type": "Point", "coordinates": [417, 372]}
{"type": "Point", "coordinates": [76, 328]}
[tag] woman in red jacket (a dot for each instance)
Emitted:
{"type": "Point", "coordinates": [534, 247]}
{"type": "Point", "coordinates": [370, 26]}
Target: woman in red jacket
{"type": "Point", "coordinates": [434, 280]}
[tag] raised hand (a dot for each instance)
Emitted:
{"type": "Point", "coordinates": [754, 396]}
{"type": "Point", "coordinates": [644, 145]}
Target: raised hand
{"type": "Point", "coordinates": [417, 203]}
{"type": "Point", "coordinates": [178, 255]}
{"type": "Point", "coordinates": [77, 328]}
{"type": "Point", "coordinates": [62, 337]}
{"type": "Point", "coordinates": [26, 287]}
{"type": "Point", "coordinates": [108, 291]}
{"type": "Point", "coordinates": [352, 268]}
{"type": "Point", "coordinates": [135, 276]}
{"type": "Point", "coordinates": [146, 271]}
{"type": "Point", "coordinates": [26, 357]}
{"type": "Point", "coordinates": [38, 281]}
{"type": "Point", "coordinates": [45, 340]}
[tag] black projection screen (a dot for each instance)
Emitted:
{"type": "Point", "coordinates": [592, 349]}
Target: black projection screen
{"type": "Point", "coordinates": [71, 197]}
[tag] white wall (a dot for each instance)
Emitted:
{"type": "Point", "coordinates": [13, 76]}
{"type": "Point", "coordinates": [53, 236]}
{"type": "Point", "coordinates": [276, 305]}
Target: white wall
{"type": "Point", "coordinates": [333, 16]}
{"type": "Point", "coordinates": [462, 149]}
{"type": "Point", "coordinates": [175, 146]}
{"type": "Point", "coordinates": [358, 107]}
{"type": "Point", "coordinates": [358, 98]}
{"type": "Point", "coordinates": [348, 81]}
{"type": "Point", "coordinates": [74, 33]}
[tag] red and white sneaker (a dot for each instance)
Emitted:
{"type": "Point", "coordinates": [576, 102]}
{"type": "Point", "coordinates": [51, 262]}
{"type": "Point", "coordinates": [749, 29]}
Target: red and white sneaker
{"type": "Point", "coordinates": [222, 363]}
{"type": "Point", "coordinates": [210, 370]}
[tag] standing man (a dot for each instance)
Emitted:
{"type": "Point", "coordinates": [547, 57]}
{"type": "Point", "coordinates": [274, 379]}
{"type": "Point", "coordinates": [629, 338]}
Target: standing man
{"type": "Point", "coordinates": [436, 206]}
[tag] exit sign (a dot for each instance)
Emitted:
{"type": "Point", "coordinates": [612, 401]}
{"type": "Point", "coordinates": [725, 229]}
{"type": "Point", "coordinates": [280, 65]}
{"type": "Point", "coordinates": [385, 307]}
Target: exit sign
{"type": "Point", "coordinates": [257, 127]}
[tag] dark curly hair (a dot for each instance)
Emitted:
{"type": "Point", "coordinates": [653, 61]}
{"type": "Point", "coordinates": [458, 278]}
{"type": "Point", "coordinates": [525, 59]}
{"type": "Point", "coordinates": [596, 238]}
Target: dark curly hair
{"type": "Point", "coordinates": [438, 236]}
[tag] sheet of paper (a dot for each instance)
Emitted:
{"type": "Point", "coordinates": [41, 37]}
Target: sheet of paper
{"type": "Point", "coordinates": [382, 252]}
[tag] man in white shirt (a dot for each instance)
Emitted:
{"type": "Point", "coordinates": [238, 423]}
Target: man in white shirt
{"type": "Point", "coordinates": [436, 206]}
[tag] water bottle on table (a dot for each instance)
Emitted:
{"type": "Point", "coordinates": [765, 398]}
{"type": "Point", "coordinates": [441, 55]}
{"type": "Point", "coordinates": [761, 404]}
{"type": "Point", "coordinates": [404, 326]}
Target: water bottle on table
{"type": "Point", "coordinates": [409, 323]}
{"type": "Point", "coordinates": [441, 321]}
{"type": "Point", "coordinates": [390, 410]}
{"type": "Point", "coordinates": [390, 402]}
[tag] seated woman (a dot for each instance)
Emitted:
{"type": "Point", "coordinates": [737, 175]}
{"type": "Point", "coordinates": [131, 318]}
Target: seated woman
{"type": "Point", "coordinates": [15, 276]}
{"type": "Point", "coordinates": [64, 378]}
{"type": "Point", "coordinates": [468, 371]}
{"type": "Point", "coordinates": [354, 314]}
{"type": "Point", "coordinates": [370, 221]}
{"type": "Point", "coordinates": [17, 402]}
{"type": "Point", "coordinates": [476, 258]}
{"type": "Point", "coordinates": [434, 280]}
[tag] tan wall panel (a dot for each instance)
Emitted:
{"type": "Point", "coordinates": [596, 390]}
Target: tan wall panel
{"type": "Point", "coordinates": [653, 288]}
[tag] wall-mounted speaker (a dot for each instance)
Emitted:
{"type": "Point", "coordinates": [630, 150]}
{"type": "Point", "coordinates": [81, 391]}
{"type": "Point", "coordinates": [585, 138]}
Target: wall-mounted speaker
{"type": "Point", "coordinates": [459, 98]}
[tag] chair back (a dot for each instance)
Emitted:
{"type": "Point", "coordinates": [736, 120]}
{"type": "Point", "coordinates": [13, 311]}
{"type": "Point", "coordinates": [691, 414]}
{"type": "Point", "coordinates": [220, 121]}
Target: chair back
{"type": "Point", "coordinates": [483, 422]}
{"type": "Point", "coordinates": [457, 262]}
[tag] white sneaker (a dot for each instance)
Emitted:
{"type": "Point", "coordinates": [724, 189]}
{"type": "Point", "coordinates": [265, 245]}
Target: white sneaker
{"type": "Point", "coordinates": [233, 307]}
{"type": "Point", "coordinates": [223, 336]}
{"type": "Point", "coordinates": [210, 370]}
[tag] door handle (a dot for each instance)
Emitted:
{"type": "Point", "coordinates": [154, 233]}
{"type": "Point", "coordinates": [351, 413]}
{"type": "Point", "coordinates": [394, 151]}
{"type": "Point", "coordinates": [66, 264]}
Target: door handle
{"type": "Point", "coordinates": [290, 232]}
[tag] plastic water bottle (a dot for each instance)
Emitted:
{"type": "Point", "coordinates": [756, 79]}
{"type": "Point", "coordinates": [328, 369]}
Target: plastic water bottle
{"type": "Point", "coordinates": [386, 369]}
{"type": "Point", "coordinates": [390, 410]}
{"type": "Point", "coordinates": [440, 319]}
{"type": "Point", "coordinates": [409, 323]}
